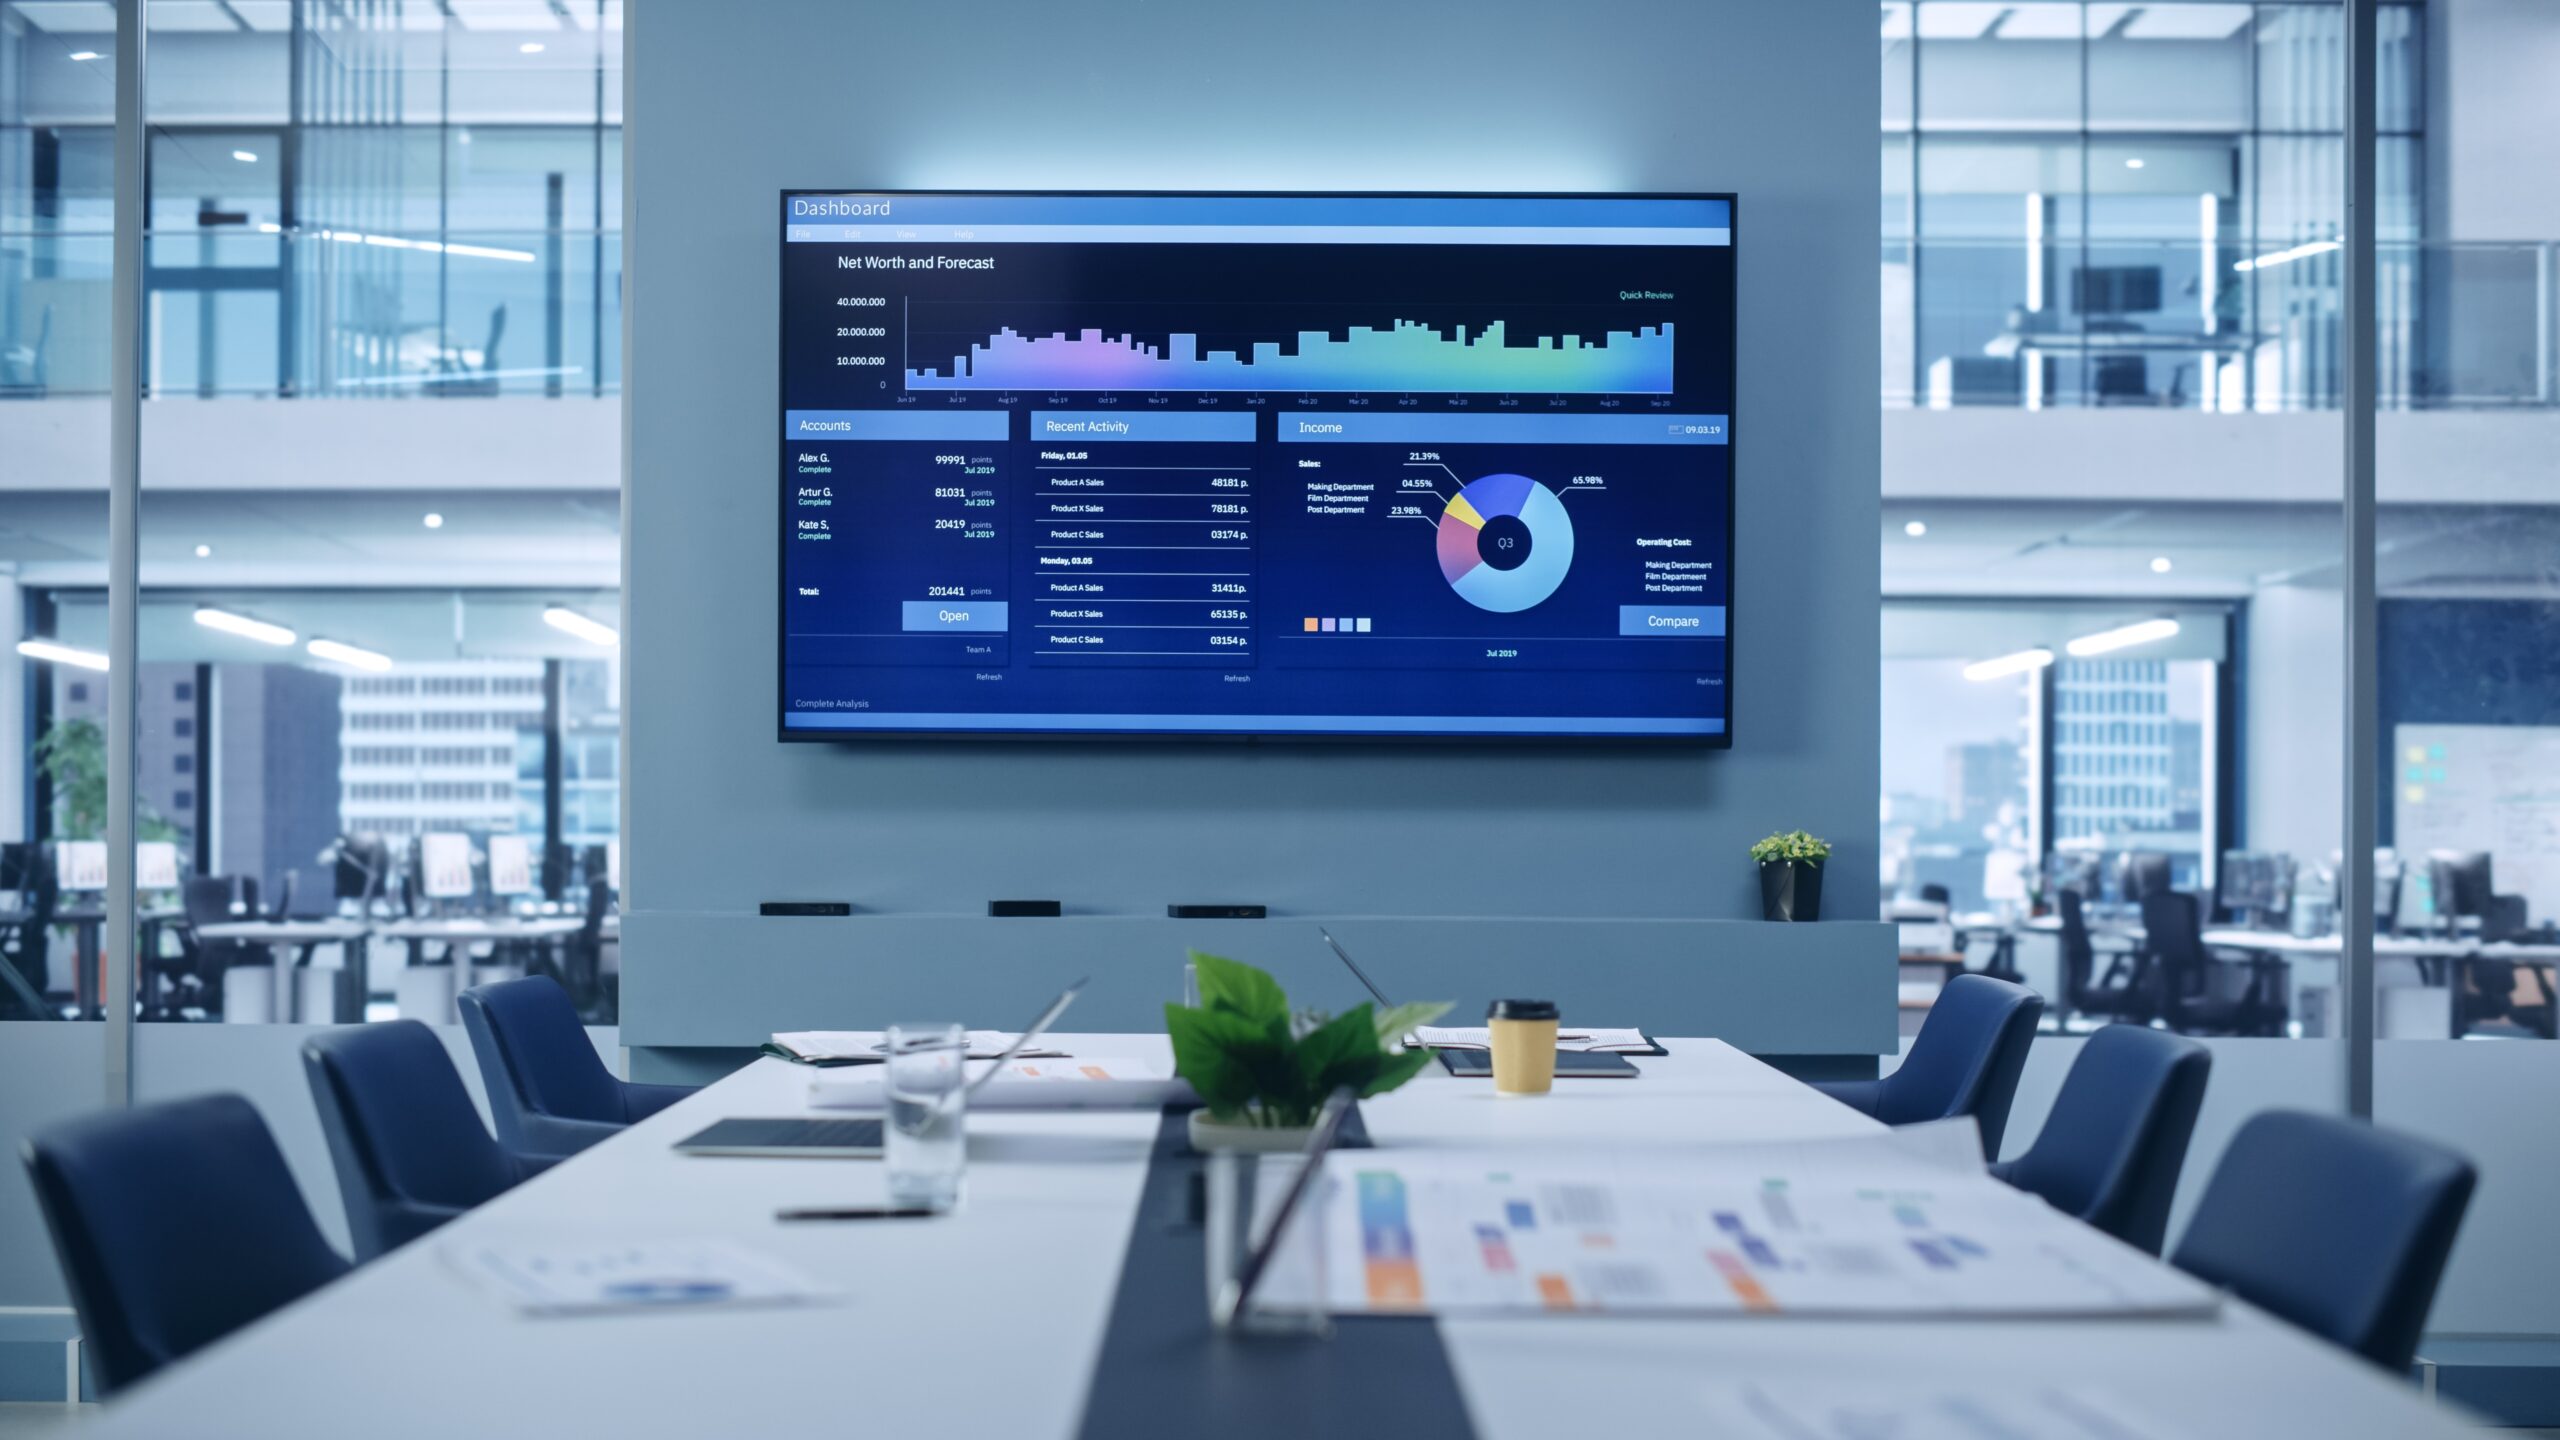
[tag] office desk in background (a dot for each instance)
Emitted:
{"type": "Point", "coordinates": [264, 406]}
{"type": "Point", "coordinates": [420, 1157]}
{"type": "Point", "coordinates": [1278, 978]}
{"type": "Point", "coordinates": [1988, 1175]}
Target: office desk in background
{"type": "Point", "coordinates": [301, 938]}
{"type": "Point", "coordinates": [989, 1322]}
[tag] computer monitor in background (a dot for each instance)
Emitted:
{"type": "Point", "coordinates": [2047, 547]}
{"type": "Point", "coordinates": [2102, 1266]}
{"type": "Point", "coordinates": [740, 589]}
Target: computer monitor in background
{"type": "Point", "coordinates": [613, 865]}
{"type": "Point", "coordinates": [2460, 882]}
{"type": "Point", "coordinates": [2141, 873]}
{"type": "Point", "coordinates": [79, 865]}
{"type": "Point", "coordinates": [444, 866]}
{"type": "Point", "coordinates": [155, 865]}
{"type": "Point", "coordinates": [18, 862]}
{"type": "Point", "coordinates": [510, 865]}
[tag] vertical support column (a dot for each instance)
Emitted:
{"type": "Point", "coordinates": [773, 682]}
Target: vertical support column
{"type": "Point", "coordinates": [124, 526]}
{"type": "Point", "coordinates": [2355, 882]}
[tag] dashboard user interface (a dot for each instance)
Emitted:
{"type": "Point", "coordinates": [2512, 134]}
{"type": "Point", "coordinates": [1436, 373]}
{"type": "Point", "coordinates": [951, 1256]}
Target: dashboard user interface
{"type": "Point", "coordinates": [1279, 465]}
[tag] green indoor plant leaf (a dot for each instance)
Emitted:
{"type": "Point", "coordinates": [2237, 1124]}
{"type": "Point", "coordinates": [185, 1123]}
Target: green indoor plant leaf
{"type": "Point", "coordinates": [1235, 986]}
{"type": "Point", "coordinates": [1255, 1062]}
{"type": "Point", "coordinates": [1396, 1021]}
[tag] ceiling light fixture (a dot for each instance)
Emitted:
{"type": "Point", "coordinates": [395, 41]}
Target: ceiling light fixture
{"type": "Point", "coordinates": [84, 54]}
{"type": "Point", "coordinates": [62, 654]}
{"type": "Point", "coordinates": [434, 521]}
{"type": "Point", "coordinates": [2017, 664]}
{"type": "Point", "coordinates": [358, 657]}
{"type": "Point", "coordinates": [2133, 162]}
{"type": "Point", "coordinates": [245, 157]}
{"type": "Point", "coordinates": [530, 47]}
{"type": "Point", "coordinates": [2274, 258]}
{"type": "Point", "coordinates": [587, 628]}
{"type": "Point", "coordinates": [1915, 528]}
{"type": "Point", "coordinates": [204, 552]}
{"type": "Point", "coordinates": [2160, 565]}
{"type": "Point", "coordinates": [243, 626]}
{"type": "Point", "coordinates": [2123, 637]}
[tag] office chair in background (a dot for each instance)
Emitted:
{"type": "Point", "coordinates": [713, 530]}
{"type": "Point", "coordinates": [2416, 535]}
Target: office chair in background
{"type": "Point", "coordinates": [2173, 936]}
{"type": "Point", "coordinates": [176, 1224]}
{"type": "Point", "coordinates": [407, 1144]}
{"type": "Point", "coordinates": [2124, 992]}
{"type": "Point", "coordinates": [2333, 1225]}
{"type": "Point", "coordinates": [548, 1090]}
{"type": "Point", "coordinates": [2111, 1149]}
{"type": "Point", "coordinates": [1964, 1061]}
{"type": "Point", "coordinates": [23, 971]}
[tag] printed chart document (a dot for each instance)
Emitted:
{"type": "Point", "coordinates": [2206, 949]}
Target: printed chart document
{"type": "Point", "coordinates": [652, 1275]}
{"type": "Point", "coordinates": [821, 1046]}
{"type": "Point", "coordinates": [1571, 1037]}
{"type": "Point", "coordinates": [1778, 1412]}
{"type": "Point", "coordinates": [1066, 1083]}
{"type": "Point", "coordinates": [1836, 1228]}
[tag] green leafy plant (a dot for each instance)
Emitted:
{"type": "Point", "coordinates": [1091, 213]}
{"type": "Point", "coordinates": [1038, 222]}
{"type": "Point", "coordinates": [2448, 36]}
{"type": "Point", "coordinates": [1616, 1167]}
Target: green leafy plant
{"type": "Point", "coordinates": [1793, 845]}
{"type": "Point", "coordinates": [73, 755]}
{"type": "Point", "coordinates": [1256, 1062]}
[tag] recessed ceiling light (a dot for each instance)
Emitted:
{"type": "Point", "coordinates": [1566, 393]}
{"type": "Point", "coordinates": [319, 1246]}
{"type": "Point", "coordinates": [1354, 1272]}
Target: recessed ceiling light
{"type": "Point", "coordinates": [2016, 664]}
{"type": "Point", "coordinates": [2140, 633]}
{"type": "Point", "coordinates": [585, 627]}
{"type": "Point", "coordinates": [1915, 528]}
{"type": "Point", "coordinates": [245, 157]}
{"type": "Point", "coordinates": [434, 521]}
{"type": "Point", "coordinates": [84, 54]}
{"type": "Point", "coordinates": [243, 626]}
{"type": "Point", "coordinates": [2133, 162]}
{"type": "Point", "coordinates": [204, 552]}
{"type": "Point", "coordinates": [530, 47]}
{"type": "Point", "coordinates": [62, 654]}
{"type": "Point", "coordinates": [2160, 565]}
{"type": "Point", "coordinates": [356, 656]}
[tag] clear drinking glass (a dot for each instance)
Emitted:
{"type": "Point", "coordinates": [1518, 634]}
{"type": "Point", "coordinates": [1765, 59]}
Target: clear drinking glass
{"type": "Point", "coordinates": [927, 1145]}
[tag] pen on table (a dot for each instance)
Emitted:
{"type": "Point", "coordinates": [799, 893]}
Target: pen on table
{"type": "Point", "coordinates": [862, 1212]}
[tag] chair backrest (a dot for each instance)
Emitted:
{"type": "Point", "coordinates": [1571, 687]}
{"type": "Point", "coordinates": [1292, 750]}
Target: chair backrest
{"type": "Point", "coordinates": [176, 1224]}
{"type": "Point", "coordinates": [2174, 935]}
{"type": "Point", "coordinates": [2111, 1150]}
{"type": "Point", "coordinates": [599, 904]}
{"type": "Point", "coordinates": [535, 1057]}
{"type": "Point", "coordinates": [408, 1146]}
{"type": "Point", "coordinates": [2334, 1225]}
{"type": "Point", "coordinates": [1966, 1058]}
{"type": "Point", "coordinates": [284, 898]}
{"type": "Point", "coordinates": [2079, 956]}
{"type": "Point", "coordinates": [1936, 894]}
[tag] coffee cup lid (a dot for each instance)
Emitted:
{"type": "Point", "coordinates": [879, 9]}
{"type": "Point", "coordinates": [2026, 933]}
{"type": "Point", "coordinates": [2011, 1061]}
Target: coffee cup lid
{"type": "Point", "coordinates": [1521, 1010]}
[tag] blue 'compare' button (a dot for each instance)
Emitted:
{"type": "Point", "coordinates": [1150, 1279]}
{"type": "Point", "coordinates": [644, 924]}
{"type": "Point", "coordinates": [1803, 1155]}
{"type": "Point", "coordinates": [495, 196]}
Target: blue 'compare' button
{"type": "Point", "coordinates": [1688, 621]}
{"type": "Point", "coordinates": [951, 615]}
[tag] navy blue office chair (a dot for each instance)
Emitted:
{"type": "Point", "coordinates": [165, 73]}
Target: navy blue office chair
{"type": "Point", "coordinates": [409, 1148]}
{"type": "Point", "coordinates": [2111, 1150]}
{"type": "Point", "coordinates": [1964, 1061]}
{"type": "Point", "coordinates": [550, 1094]}
{"type": "Point", "coordinates": [2334, 1225]}
{"type": "Point", "coordinates": [176, 1224]}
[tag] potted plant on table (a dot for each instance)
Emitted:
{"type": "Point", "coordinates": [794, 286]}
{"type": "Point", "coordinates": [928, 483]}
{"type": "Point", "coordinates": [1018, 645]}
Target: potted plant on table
{"type": "Point", "coordinates": [1791, 875]}
{"type": "Point", "coordinates": [1263, 1070]}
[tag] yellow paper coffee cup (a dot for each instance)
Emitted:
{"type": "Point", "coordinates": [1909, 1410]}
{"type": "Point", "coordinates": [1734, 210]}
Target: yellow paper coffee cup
{"type": "Point", "coordinates": [1524, 1046]}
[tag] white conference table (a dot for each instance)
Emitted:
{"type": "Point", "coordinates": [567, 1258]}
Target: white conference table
{"type": "Point", "coordinates": [988, 1322]}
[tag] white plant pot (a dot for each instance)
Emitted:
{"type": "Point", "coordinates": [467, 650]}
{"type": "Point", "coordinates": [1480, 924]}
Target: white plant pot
{"type": "Point", "coordinates": [1208, 1134]}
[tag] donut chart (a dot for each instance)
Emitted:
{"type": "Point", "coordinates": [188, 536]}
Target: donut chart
{"type": "Point", "coordinates": [1505, 543]}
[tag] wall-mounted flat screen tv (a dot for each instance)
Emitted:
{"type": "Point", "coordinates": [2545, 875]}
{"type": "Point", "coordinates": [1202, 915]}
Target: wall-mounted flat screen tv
{"type": "Point", "coordinates": [1261, 465]}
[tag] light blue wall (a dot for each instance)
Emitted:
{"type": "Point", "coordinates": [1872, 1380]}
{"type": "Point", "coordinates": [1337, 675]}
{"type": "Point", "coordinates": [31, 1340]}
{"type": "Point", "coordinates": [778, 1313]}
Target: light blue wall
{"type": "Point", "coordinates": [728, 104]}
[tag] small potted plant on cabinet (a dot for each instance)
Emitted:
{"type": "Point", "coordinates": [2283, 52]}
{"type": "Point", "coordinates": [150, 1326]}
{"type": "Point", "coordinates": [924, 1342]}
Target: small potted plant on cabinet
{"type": "Point", "coordinates": [1791, 875]}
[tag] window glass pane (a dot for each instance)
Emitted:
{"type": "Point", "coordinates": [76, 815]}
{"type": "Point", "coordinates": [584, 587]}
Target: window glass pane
{"type": "Point", "coordinates": [1958, 812]}
{"type": "Point", "coordinates": [1999, 67]}
{"type": "Point", "coordinates": [2169, 67]}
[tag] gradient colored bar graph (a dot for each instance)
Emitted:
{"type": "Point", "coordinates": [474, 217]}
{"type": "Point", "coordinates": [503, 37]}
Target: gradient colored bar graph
{"type": "Point", "coordinates": [1406, 357]}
